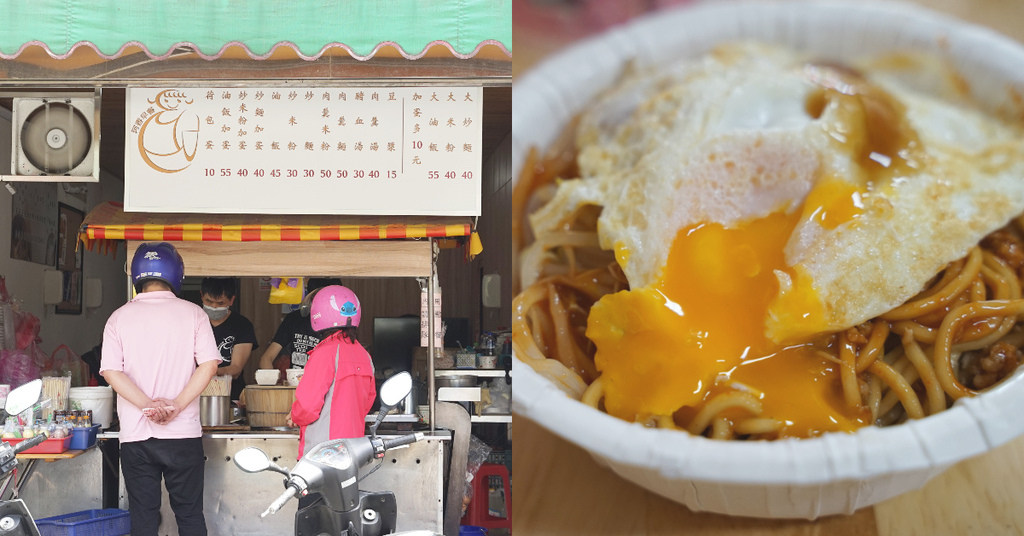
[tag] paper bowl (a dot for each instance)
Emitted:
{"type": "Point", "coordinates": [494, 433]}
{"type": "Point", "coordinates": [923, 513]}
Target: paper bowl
{"type": "Point", "coordinates": [293, 375]}
{"type": "Point", "coordinates": [835, 473]}
{"type": "Point", "coordinates": [267, 376]}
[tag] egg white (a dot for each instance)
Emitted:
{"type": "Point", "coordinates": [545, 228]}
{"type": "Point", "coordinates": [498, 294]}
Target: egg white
{"type": "Point", "coordinates": [728, 138]}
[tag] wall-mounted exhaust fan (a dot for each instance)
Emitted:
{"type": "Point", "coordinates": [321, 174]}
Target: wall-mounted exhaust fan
{"type": "Point", "coordinates": [55, 137]}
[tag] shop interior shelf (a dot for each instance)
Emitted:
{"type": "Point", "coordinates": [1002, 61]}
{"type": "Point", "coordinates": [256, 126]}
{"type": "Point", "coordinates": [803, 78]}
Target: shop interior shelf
{"type": "Point", "coordinates": [490, 418]}
{"type": "Point", "coordinates": [482, 373]}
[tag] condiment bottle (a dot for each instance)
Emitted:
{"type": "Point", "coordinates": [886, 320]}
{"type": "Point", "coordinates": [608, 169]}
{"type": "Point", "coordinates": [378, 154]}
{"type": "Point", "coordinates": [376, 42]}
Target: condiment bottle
{"type": "Point", "coordinates": [487, 345]}
{"type": "Point", "coordinates": [11, 428]}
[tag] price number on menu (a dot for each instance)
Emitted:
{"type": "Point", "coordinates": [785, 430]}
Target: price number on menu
{"type": "Point", "coordinates": [449, 175]}
{"type": "Point", "coordinates": [303, 173]}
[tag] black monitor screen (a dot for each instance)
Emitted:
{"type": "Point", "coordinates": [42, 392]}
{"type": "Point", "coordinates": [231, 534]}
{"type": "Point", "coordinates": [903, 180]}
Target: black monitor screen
{"type": "Point", "coordinates": [457, 333]}
{"type": "Point", "coordinates": [394, 340]}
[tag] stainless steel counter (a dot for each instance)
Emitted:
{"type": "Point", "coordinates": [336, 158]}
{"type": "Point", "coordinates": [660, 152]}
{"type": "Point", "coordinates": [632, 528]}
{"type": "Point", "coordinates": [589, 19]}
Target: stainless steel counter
{"type": "Point", "coordinates": [63, 486]}
{"type": "Point", "coordinates": [233, 499]}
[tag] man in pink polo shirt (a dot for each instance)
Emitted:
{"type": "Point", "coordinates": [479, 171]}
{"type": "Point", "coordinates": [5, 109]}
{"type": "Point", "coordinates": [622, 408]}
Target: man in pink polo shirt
{"type": "Point", "coordinates": [159, 354]}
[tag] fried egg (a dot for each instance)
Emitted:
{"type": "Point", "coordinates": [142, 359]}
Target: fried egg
{"type": "Point", "coordinates": [756, 199]}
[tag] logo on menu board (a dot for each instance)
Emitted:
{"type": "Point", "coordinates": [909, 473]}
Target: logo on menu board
{"type": "Point", "coordinates": [169, 134]}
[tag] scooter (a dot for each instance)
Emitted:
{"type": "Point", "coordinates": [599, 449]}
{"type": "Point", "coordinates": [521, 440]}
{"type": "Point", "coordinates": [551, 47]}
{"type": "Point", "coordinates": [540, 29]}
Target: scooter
{"type": "Point", "coordinates": [15, 519]}
{"type": "Point", "coordinates": [332, 469]}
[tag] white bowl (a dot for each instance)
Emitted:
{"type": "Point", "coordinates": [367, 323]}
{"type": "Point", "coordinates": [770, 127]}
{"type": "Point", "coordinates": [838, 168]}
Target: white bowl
{"type": "Point", "coordinates": [267, 376]}
{"type": "Point", "coordinates": [807, 478]}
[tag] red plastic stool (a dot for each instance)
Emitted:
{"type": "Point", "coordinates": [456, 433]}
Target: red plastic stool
{"type": "Point", "coordinates": [478, 512]}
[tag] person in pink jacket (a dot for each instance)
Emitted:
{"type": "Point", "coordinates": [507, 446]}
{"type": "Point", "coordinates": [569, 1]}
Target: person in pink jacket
{"type": "Point", "coordinates": [337, 388]}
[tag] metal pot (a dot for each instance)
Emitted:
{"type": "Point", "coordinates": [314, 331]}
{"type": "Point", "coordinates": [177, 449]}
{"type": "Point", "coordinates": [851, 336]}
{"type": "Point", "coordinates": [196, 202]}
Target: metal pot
{"type": "Point", "coordinates": [461, 380]}
{"type": "Point", "coordinates": [215, 410]}
{"type": "Point", "coordinates": [408, 404]}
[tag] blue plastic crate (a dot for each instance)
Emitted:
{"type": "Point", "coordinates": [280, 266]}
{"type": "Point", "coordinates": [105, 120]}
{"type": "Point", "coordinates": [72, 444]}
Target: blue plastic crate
{"type": "Point", "coordinates": [83, 438]}
{"type": "Point", "coordinates": [108, 522]}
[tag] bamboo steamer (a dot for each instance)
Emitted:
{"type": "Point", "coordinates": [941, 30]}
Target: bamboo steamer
{"type": "Point", "coordinates": [268, 405]}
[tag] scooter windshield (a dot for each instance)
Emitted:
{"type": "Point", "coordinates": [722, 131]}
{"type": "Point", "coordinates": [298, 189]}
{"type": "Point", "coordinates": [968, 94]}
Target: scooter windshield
{"type": "Point", "coordinates": [332, 453]}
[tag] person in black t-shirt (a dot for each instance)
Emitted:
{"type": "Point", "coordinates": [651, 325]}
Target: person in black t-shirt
{"type": "Point", "coordinates": [294, 337]}
{"type": "Point", "coordinates": [236, 338]}
{"type": "Point", "coordinates": [281, 352]}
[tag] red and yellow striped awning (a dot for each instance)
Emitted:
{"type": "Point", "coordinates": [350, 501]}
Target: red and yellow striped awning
{"type": "Point", "coordinates": [108, 223]}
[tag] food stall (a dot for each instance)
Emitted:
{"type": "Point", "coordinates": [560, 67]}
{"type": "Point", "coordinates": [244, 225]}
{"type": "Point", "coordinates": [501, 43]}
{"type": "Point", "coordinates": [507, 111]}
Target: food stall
{"type": "Point", "coordinates": [344, 152]}
{"type": "Point", "coordinates": [365, 247]}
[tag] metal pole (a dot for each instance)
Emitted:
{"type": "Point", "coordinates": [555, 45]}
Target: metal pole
{"type": "Point", "coordinates": [430, 331]}
{"type": "Point", "coordinates": [128, 274]}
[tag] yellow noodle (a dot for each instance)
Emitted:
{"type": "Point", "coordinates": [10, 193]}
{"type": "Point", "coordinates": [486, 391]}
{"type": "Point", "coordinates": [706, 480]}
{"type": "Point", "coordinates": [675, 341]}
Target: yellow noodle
{"type": "Point", "coordinates": [874, 347]}
{"type": "Point", "coordinates": [594, 393]}
{"type": "Point", "coordinates": [951, 327]}
{"type": "Point", "coordinates": [941, 298]}
{"type": "Point", "coordinates": [936, 398]}
{"type": "Point", "coordinates": [874, 397]}
{"type": "Point", "coordinates": [757, 426]}
{"type": "Point", "coordinates": [665, 421]}
{"type": "Point", "coordinates": [922, 334]}
{"type": "Point", "coordinates": [902, 388]}
{"type": "Point", "coordinates": [848, 373]}
{"type": "Point", "coordinates": [721, 428]}
{"type": "Point", "coordinates": [720, 403]}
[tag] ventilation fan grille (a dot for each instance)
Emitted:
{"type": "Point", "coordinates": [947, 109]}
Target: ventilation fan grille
{"type": "Point", "coordinates": [54, 137]}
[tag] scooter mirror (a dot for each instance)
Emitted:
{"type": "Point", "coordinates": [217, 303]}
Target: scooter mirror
{"type": "Point", "coordinates": [23, 397]}
{"type": "Point", "coordinates": [252, 460]}
{"type": "Point", "coordinates": [395, 389]}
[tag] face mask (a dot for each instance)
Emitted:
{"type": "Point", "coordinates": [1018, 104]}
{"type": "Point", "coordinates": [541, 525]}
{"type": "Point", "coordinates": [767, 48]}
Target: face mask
{"type": "Point", "coordinates": [215, 313]}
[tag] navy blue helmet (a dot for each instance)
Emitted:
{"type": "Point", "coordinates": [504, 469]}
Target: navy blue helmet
{"type": "Point", "coordinates": [158, 261]}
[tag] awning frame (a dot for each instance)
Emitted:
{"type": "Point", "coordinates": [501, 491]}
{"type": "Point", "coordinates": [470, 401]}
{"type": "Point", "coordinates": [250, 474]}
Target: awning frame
{"type": "Point", "coordinates": [188, 68]}
{"type": "Point", "coordinates": [376, 258]}
{"type": "Point", "coordinates": [343, 258]}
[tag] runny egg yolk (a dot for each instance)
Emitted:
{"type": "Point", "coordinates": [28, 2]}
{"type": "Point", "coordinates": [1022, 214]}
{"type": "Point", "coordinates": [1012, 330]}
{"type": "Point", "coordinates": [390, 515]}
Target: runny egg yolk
{"type": "Point", "coordinates": [699, 331]}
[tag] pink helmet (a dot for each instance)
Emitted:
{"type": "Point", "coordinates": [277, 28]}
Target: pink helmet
{"type": "Point", "coordinates": [334, 306]}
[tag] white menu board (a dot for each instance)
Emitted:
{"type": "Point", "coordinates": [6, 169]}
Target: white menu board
{"type": "Point", "coordinates": [292, 150]}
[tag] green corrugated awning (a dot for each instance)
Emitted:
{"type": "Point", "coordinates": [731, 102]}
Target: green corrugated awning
{"type": "Point", "coordinates": [209, 27]}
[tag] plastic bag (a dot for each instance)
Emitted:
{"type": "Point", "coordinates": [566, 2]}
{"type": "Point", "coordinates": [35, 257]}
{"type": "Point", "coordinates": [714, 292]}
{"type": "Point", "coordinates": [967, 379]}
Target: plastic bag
{"type": "Point", "coordinates": [286, 290]}
{"type": "Point", "coordinates": [18, 329]}
{"type": "Point", "coordinates": [18, 367]}
{"type": "Point", "coordinates": [64, 362]}
{"type": "Point", "coordinates": [478, 453]}
{"type": "Point", "coordinates": [500, 394]}
{"type": "Point", "coordinates": [6, 317]}
{"type": "Point", "coordinates": [7, 340]}
{"type": "Point", "coordinates": [26, 329]}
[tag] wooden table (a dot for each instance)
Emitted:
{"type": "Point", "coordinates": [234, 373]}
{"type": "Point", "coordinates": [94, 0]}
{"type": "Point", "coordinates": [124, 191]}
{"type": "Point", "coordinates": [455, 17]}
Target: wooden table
{"type": "Point", "coordinates": [559, 489]}
{"type": "Point", "coordinates": [50, 457]}
{"type": "Point", "coordinates": [29, 467]}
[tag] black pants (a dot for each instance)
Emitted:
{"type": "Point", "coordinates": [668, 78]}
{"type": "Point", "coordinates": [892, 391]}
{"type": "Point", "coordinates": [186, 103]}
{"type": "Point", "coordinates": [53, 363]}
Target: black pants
{"type": "Point", "coordinates": [180, 463]}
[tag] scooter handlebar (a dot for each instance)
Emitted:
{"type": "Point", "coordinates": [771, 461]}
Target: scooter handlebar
{"type": "Point", "coordinates": [404, 440]}
{"type": "Point", "coordinates": [25, 445]}
{"type": "Point", "coordinates": [279, 503]}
